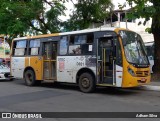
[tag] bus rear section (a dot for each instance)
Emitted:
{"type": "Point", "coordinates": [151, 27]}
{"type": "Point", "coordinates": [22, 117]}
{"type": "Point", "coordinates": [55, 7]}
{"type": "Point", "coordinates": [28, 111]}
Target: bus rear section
{"type": "Point", "coordinates": [88, 58]}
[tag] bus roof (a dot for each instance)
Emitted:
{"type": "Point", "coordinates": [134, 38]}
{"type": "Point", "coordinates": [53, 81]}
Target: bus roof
{"type": "Point", "coordinates": [69, 33]}
{"type": "Point", "coordinates": [88, 30]}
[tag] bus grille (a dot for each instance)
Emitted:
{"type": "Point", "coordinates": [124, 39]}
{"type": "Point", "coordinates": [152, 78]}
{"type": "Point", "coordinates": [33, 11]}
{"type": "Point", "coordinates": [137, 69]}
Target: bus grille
{"type": "Point", "coordinates": [142, 73]}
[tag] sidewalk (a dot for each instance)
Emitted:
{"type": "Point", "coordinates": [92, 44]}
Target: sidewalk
{"type": "Point", "coordinates": [153, 86]}
{"type": "Point", "coordinates": [155, 83]}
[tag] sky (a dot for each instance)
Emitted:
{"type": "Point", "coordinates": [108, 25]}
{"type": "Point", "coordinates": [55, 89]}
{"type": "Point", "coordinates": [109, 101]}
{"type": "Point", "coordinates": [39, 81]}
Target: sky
{"type": "Point", "coordinates": [119, 2]}
{"type": "Point", "coordinates": [69, 6]}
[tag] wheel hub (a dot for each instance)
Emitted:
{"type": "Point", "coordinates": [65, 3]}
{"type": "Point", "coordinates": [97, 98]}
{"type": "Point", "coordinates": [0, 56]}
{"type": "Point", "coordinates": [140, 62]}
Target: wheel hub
{"type": "Point", "coordinates": [29, 77]}
{"type": "Point", "coordinates": [85, 82]}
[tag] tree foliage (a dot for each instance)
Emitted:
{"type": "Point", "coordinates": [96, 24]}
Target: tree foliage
{"type": "Point", "coordinates": [149, 9]}
{"type": "Point", "coordinates": [20, 16]}
{"type": "Point", "coordinates": [87, 12]}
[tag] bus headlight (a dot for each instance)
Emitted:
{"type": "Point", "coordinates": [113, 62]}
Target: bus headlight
{"type": "Point", "coordinates": [131, 71]}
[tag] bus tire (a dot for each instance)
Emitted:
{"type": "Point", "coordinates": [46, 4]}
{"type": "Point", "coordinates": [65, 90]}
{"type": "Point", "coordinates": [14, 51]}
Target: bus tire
{"type": "Point", "coordinates": [86, 83]}
{"type": "Point", "coordinates": [29, 77]}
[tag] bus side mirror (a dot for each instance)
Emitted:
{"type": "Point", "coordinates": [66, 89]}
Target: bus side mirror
{"type": "Point", "coordinates": [150, 57]}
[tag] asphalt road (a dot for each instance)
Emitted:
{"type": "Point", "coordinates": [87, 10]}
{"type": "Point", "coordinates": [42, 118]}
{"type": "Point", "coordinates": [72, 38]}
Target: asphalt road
{"type": "Point", "coordinates": [16, 97]}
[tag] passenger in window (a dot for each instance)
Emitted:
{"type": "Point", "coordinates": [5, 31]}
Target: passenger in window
{"type": "Point", "coordinates": [77, 50]}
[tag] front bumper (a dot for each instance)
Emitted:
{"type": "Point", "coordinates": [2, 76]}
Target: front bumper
{"type": "Point", "coordinates": [6, 76]}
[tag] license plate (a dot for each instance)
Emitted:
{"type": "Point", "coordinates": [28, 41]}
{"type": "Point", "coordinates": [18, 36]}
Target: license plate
{"type": "Point", "coordinates": [143, 80]}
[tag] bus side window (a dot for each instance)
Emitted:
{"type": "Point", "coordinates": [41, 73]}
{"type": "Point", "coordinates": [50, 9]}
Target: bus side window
{"type": "Point", "coordinates": [63, 45]}
{"type": "Point", "coordinates": [87, 48]}
{"type": "Point", "coordinates": [19, 48]}
{"type": "Point", "coordinates": [34, 47]}
{"type": "Point", "coordinates": [74, 44]}
{"type": "Point", "coordinates": [81, 44]}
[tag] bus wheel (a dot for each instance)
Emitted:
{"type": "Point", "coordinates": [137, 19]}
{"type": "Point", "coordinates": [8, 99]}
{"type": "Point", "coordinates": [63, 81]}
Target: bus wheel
{"type": "Point", "coordinates": [87, 83]}
{"type": "Point", "coordinates": [30, 78]}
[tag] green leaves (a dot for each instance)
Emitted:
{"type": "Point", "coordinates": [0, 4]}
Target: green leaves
{"type": "Point", "coordinates": [23, 17]}
{"type": "Point", "coordinates": [19, 16]}
{"type": "Point", "coordinates": [87, 12]}
{"type": "Point", "coordinates": [146, 9]}
{"type": "Point", "coordinates": [148, 30]}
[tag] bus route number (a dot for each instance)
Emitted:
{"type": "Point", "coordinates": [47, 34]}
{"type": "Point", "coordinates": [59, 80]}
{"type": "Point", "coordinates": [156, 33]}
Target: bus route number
{"type": "Point", "coordinates": [80, 63]}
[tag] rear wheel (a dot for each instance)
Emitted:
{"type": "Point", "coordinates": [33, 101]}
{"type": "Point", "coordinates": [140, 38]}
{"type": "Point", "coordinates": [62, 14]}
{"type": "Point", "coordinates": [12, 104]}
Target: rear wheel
{"type": "Point", "coordinates": [29, 76]}
{"type": "Point", "coordinates": [87, 83]}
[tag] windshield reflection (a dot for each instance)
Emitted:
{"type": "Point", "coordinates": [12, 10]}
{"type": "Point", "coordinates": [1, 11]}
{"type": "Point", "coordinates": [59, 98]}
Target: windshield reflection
{"type": "Point", "coordinates": [134, 48]}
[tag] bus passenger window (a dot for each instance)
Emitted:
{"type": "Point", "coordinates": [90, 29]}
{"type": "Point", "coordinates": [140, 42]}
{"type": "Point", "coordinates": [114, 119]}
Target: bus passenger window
{"type": "Point", "coordinates": [86, 49]}
{"type": "Point", "coordinates": [19, 48]}
{"type": "Point", "coordinates": [54, 51]}
{"type": "Point", "coordinates": [74, 49]}
{"type": "Point", "coordinates": [63, 46]}
{"type": "Point", "coordinates": [81, 44]}
{"type": "Point", "coordinates": [90, 38]}
{"type": "Point", "coordinates": [81, 39]}
{"type": "Point", "coordinates": [34, 47]}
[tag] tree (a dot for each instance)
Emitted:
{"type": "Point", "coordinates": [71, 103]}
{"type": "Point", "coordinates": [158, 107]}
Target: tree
{"type": "Point", "coordinates": [149, 9]}
{"type": "Point", "coordinates": [87, 12]}
{"type": "Point", "coordinates": [17, 17]}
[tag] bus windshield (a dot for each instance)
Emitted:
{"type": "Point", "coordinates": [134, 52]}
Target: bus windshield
{"type": "Point", "coordinates": [134, 48]}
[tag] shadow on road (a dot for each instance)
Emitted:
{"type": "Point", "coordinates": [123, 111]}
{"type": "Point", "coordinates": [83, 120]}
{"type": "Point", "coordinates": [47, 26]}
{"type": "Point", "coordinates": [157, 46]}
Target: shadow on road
{"type": "Point", "coordinates": [117, 91]}
{"type": "Point", "coordinates": [6, 80]}
{"type": "Point", "coordinates": [99, 90]}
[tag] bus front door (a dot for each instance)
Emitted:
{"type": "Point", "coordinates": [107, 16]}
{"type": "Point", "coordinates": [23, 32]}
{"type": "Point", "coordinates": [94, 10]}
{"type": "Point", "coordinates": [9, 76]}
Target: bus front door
{"type": "Point", "coordinates": [106, 63]}
{"type": "Point", "coordinates": [49, 61]}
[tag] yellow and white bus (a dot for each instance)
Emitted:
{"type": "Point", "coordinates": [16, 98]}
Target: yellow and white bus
{"type": "Point", "coordinates": [89, 58]}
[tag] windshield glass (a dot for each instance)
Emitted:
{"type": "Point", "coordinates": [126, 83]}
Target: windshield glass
{"type": "Point", "coordinates": [3, 66]}
{"type": "Point", "coordinates": [134, 48]}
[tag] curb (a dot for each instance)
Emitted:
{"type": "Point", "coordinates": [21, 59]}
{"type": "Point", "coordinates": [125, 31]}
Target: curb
{"type": "Point", "coordinates": [151, 87]}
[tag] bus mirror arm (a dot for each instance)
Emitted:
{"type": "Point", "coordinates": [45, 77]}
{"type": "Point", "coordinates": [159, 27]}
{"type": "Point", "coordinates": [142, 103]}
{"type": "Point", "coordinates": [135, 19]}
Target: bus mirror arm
{"type": "Point", "coordinates": [118, 35]}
